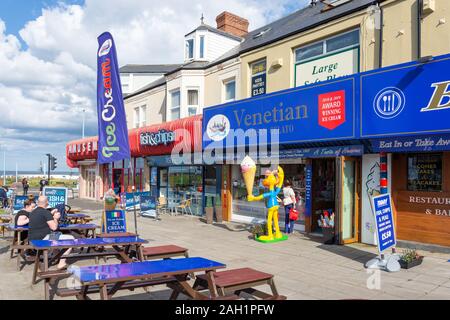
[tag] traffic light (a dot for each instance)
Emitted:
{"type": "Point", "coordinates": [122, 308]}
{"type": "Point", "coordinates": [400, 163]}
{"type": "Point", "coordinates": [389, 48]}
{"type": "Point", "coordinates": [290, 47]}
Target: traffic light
{"type": "Point", "coordinates": [52, 163]}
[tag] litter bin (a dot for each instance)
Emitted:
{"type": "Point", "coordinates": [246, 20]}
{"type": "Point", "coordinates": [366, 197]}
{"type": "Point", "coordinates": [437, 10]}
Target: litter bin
{"type": "Point", "coordinates": [328, 235]}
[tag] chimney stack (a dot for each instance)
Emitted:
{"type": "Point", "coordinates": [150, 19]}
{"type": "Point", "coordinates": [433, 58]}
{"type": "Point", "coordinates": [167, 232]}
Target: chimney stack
{"type": "Point", "coordinates": [232, 23]}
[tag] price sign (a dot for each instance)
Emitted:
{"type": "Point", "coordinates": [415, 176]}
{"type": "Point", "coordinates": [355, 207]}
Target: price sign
{"type": "Point", "coordinates": [384, 221]}
{"type": "Point", "coordinates": [55, 195]}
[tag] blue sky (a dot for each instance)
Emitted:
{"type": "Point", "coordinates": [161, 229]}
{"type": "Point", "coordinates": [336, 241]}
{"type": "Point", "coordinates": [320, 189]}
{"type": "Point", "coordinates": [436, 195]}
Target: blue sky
{"type": "Point", "coordinates": [16, 13]}
{"type": "Point", "coordinates": [48, 60]}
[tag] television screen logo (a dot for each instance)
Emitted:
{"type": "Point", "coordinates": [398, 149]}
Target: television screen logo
{"type": "Point", "coordinates": [389, 103]}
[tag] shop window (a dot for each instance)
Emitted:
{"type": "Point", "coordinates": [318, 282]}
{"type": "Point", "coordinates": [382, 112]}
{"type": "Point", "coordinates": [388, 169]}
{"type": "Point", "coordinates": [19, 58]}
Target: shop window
{"type": "Point", "coordinates": [185, 184]}
{"type": "Point", "coordinates": [258, 81]}
{"type": "Point", "coordinates": [142, 116]}
{"type": "Point", "coordinates": [230, 90]}
{"type": "Point", "coordinates": [425, 172]}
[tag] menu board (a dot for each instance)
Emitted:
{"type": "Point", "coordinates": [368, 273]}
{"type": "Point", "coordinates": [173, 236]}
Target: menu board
{"type": "Point", "coordinates": [425, 172]}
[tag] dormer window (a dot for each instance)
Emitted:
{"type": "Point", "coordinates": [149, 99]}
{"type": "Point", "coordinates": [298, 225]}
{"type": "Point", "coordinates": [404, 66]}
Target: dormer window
{"type": "Point", "coordinates": [190, 49]}
{"type": "Point", "coordinates": [202, 47]}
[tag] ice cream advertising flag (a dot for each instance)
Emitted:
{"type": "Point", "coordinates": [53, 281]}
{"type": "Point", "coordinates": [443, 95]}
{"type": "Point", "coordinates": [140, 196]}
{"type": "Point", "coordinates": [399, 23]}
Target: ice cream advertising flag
{"type": "Point", "coordinates": [113, 142]}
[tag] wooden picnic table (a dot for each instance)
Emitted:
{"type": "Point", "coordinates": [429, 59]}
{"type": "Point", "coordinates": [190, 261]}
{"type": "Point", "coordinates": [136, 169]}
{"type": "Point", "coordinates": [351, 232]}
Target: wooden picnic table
{"type": "Point", "coordinates": [241, 280]}
{"type": "Point", "coordinates": [21, 244]}
{"type": "Point", "coordinates": [108, 279]}
{"type": "Point", "coordinates": [119, 247]}
{"type": "Point", "coordinates": [116, 235]}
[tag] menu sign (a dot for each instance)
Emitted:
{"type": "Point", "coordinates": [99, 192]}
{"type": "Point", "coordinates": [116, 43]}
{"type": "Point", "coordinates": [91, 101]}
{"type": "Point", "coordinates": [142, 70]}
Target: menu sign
{"type": "Point", "coordinates": [425, 172]}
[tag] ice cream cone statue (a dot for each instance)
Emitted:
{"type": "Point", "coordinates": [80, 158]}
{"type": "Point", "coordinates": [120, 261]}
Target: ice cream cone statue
{"type": "Point", "coordinates": [273, 181]}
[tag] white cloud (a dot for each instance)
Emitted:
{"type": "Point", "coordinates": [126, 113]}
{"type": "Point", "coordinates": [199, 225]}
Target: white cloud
{"type": "Point", "coordinates": [44, 86]}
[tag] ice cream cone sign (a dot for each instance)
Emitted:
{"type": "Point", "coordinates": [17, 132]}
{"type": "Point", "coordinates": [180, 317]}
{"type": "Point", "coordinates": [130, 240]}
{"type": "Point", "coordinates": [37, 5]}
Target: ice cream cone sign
{"type": "Point", "coordinates": [248, 168]}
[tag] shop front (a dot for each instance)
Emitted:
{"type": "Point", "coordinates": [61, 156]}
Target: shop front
{"type": "Point", "coordinates": [309, 131]}
{"type": "Point", "coordinates": [414, 129]}
{"type": "Point", "coordinates": [82, 154]}
{"type": "Point", "coordinates": [173, 159]}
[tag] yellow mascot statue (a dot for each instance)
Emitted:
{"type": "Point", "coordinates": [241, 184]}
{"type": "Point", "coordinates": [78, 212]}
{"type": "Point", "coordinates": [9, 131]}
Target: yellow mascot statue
{"type": "Point", "coordinates": [273, 181]}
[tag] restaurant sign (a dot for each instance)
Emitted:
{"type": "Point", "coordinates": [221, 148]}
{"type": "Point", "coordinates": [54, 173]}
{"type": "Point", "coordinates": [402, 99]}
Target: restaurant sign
{"type": "Point", "coordinates": [310, 113]}
{"type": "Point", "coordinates": [162, 137]}
{"type": "Point", "coordinates": [428, 203]}
{"type": "Point", "coordinates": [412, 144]}
{"type": "Point", "coordinates": [407, 99]}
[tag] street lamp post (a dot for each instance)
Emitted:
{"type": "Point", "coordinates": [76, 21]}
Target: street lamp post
{"type": "Point", "coordinates": [84, 111]}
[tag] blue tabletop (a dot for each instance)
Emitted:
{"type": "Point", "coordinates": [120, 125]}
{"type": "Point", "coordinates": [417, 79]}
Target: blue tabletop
{"type": "Point", "coordinates": [79, 226]}
{"type": "Point", "coordinates": [11, 227]}
{"type": "Point", "coordinates": [38, 244]}
{"type": "Point", "coordinates": [136, 269]}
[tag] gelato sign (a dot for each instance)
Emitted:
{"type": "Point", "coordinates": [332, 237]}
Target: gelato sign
{"type": "Point", "coordinates": [327, 68]}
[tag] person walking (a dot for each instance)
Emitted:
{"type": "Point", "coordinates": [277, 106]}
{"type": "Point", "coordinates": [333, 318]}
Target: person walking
{"type": "Point", "coordinates": [289, 203]}
{"type": "Point", "coordinates": [25, 186]}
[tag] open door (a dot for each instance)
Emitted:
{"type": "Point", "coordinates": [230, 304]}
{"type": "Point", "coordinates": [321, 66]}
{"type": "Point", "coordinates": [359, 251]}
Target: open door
{"type": "Point", "coordinates": [349, 221]}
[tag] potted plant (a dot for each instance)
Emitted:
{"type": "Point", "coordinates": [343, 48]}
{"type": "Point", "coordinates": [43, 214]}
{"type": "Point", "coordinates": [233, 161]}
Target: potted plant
{"type": "Point", "coordinates": [410, 258]}
{"type": "Point", "coordinates": [258, 230]}
{"type": "Point", "coordinates": [209, 210]}
{"type": "Point", "coordinates": [218, 208]}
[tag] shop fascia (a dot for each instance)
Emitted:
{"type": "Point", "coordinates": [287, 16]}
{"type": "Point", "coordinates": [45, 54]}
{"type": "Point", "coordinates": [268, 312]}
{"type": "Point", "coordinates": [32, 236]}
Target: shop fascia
{"type": "Point", "coordinates": [83, 147]}
{"type": "Point", "coordinates": [162, 137]}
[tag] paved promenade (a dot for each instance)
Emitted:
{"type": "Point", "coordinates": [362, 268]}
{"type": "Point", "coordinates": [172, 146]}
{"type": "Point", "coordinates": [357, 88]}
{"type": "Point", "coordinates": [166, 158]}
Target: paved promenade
{"type": "Point", "coordinates": [303, 268]}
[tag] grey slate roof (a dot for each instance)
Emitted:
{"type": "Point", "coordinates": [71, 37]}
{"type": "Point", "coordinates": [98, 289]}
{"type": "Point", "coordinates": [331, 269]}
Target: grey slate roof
{"type": "Point", "coordinates": [299, 21]}
{"type": "Point", "coordinates": [215, 30]}
{"type": "Point", "coordinates": [148, 68]}
{"type": "Point", "coordinates": [159, 82]}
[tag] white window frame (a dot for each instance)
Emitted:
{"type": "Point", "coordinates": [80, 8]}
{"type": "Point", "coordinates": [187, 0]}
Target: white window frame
{"type": "Point", "coordinates": [202, 55]}
{"type": "Point", "coordinates": [142, 116]}
{"type": "Point", "coordinates": [187, 49]}
{"type": "Point", "coordinates": [196, 106]}
{"type": "Point", "coordinates": [325, 52]}
{"type": "Point", "coordinates": [225, 82]}
{"type": "Point", "coordinates": [136, 116]}
{"type": "Point", "coordinates": [172, 107]}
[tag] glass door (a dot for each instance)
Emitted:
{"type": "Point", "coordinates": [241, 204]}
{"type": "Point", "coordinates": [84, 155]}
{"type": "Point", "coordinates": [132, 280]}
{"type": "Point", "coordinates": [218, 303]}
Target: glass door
{"type": "Point", "coordinates": [350, 200]}
{"type": "Point", "coordinates": [117, 181]}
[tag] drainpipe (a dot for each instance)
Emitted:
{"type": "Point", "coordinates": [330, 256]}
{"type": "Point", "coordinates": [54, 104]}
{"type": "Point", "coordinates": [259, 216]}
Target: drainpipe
{"type": "Point", "coordinates": [419, 29]}
{"type": "Point", "coordinates": [380, 47]}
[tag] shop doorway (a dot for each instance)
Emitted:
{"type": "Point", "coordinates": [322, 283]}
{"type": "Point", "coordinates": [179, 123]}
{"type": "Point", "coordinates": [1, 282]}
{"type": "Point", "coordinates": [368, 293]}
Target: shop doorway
{"type": "Point", "coordinates": [323, 191]}
{"type": "Point", "coordinates": [117, 181]}
{"type": "Point", "coordinates": [90, 183]}
{"type": "Point", "coordinates": [350, 200]}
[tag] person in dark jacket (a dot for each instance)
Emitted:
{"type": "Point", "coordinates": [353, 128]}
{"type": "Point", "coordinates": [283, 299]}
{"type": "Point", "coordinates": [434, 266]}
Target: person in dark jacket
{"type": "Point", "coordinates": [25, 186]}
{"type": "Point", "coordinates": [3, 197]}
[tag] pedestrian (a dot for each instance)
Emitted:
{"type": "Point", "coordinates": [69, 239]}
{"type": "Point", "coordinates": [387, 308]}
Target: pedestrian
{"type": "Point", "coordinates": [42, 184]}
{"type": "Point", "coordinates": [3, 197]}
{"type": "Point", "coordinates": [25, 186]}
{"type": "Point", "coordinates": [289, 203]}
{"type": "Point", "coordinates": [43, 225]}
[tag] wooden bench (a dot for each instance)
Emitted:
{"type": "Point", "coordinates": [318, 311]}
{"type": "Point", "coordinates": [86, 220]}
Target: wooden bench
{"type": "Point", "coordinates": [164, 252]}
{"type": "Point", "coordinates": [241, 280]}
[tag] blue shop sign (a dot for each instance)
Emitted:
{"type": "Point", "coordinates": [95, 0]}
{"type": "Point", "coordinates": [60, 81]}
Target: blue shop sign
{"type": "Point", "coordinates": [115, 221]}
{"type": "Point", "coordinates": [324, 152]}
{"type": "Point", "coordinates": [324, 111]}
{"type": "Point", "coordinates": [384, 221]}
{"type": "Point", "coordinates": [407, 99]}
{"type": "Point", "coordinates": [19, 202]}
{"type": "Point", "coordinates": [55, 195]}
{"type": "Point", "coordinates": [412, 144]}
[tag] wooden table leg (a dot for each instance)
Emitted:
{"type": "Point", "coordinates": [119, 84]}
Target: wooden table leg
{"type": "Point", "coordinates": [122, 255]}
{"type": "Point", "coordinates": [211, 284]}
{"type": "Point", "coordinates": [103, 292]}
{"type": "Point", "coordinates": [187, 289]}
{"type": "Point", "coordinates": [273, 287]}
{"type": "Point", "coordinates": [36, 266]}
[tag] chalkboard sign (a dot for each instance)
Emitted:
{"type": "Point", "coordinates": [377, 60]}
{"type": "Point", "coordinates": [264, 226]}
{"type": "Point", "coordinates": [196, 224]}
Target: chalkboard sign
{"type": "Point", "coordinates": [115, 221]}
{"type": "Point", "coordinates": [148, 206]}
{"type": "Point", "coordinates": [55, 195]}
{"type": "Point", "coordinates": [18, 202]}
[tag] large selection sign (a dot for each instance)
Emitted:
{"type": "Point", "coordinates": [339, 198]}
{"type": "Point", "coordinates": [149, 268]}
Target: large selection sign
{"type": "Point", "coordinates": [384, 221]}
{"type": "Point", "coordinates": [327, 68]}
{"type": "Point", "coordinates": [407, 99]}
{"type": "Point", "coordinates": [113, 144]}
{"type": "Point", "coordinates": [19, 202]}
{"type": "Point", "coordinates": [55, 195]}
{"type": "Point", "coordinates": [312, 113]}
{"type": "Point", "coordinates": [115, 221]}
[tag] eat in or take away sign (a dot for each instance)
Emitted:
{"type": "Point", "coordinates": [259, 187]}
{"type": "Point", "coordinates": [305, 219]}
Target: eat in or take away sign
{"type": "Point", "coordinates": [384, 221]}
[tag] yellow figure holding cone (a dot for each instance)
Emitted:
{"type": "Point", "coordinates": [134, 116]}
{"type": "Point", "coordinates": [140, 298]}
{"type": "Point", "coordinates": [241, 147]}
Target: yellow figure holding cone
{"type": "Point", "coordinates": [273, 181]}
